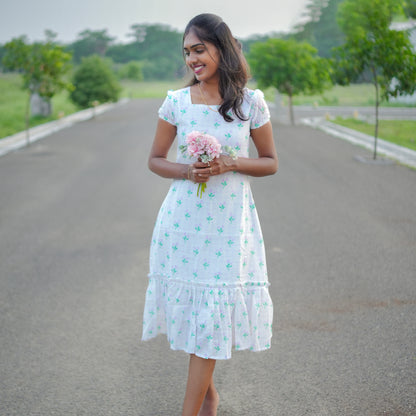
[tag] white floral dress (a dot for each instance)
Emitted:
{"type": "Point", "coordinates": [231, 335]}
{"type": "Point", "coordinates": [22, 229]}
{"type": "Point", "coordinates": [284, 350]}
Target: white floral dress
{"type": "Point", "coordinates": [208, 285]}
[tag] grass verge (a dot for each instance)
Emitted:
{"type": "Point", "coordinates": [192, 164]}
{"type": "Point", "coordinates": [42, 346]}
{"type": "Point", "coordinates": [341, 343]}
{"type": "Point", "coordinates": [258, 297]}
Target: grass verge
{"type": "Point", "coordinates": [360, 95]}
{"type": "Point", "coordinates": [150, 89]}
{"type": "Point", "coordinates": [13, 102]}
{"type": "Point", "coordinates": [400, 132]}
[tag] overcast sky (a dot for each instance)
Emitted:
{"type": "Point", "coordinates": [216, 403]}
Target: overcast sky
{"type": "Point", "coordinates": [69, 17]}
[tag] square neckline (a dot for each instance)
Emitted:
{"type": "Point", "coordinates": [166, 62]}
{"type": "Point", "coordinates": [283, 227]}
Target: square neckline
{"type": "Point", "coordinates": [191, 103]}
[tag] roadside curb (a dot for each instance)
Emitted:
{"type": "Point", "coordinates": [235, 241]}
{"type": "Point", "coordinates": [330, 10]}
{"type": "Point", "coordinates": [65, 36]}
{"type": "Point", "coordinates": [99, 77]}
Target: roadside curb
{"type": "Point", "coordinates": [18, 140]}
{"type": "Point", "coordinates": [401, 154]}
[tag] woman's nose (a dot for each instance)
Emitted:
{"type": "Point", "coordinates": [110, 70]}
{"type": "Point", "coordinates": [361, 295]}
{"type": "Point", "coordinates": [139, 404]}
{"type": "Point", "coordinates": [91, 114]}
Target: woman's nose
{"type": "Point", "coordinates": [191, 58]}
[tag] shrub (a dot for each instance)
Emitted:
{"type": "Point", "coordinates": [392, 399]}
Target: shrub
{"type": "Point", "coordinates": [132, 70]}
{"type": "Point", "coordinates": [94, 81]}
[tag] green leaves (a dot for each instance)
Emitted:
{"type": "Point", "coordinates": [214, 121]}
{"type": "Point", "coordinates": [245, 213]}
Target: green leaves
{"type": "Point", "coordinates": [372, 50]}
{"type": "Point", "coordinates": [91, 42]}
{"type": "Point", "coordinates": [385, 56]}
{"type": "Point", "coordinates": [358, 18]}
{"type": "Point", "coordinates": [291, 67]}
{"type": "Point", "coordinates": [42, 65]}
{"type": "Point", "coordinates": [94, 81]}
{"type": "Point", "coordinates": [410, 9]}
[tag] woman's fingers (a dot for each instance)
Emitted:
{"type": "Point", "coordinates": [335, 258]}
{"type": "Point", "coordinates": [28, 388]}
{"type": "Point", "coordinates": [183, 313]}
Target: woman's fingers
{"type": "Point", "coordinates": [205, 170]}
{"type": "Point", "coordinates": [201, 175]}
{"type": "Point", "coordinates": [201, 165]}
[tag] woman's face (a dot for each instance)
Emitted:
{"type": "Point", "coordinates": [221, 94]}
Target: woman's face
{"type": "Point", "coordinates": [202, 58]}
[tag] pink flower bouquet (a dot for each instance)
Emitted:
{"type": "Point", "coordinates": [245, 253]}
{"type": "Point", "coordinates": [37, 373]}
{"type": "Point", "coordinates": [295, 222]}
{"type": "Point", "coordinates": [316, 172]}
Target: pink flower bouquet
{"type": "Point", "coordinates": [203, 147]}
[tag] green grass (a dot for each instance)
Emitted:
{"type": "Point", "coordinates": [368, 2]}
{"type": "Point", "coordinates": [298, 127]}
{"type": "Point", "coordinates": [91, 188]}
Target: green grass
{"type": "Point", "coordinates": [352, 95]}
{"type": "Point", "coordinates": [400, 132]}
{"type": "Point", "coordinates": [158, 89]}
{"type": "Point", "coordinates": [151, 89]}
{"type": "Point", "coordinates": [13, 106]}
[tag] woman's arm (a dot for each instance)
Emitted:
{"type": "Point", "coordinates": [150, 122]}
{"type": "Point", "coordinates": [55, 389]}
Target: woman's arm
{"type": "Point", "coordinates": [265, 164]}
{"type": "Point", "coordinates": [158, 163]}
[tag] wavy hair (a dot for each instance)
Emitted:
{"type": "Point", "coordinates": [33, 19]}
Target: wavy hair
{"type": "Point", "coordinates": [233, 68]}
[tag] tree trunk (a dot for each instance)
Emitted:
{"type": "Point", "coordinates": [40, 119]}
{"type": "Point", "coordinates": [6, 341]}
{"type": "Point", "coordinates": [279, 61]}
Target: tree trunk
{"type": "Point", "coordinates": [292, 118]}
{"type": "Point", "coordinates": [376, 131]}
{"type": "Point", "coordinates": [40, 106]}
{"type": "Point", "coordinates": [377, 106]}
{"type": "Point", "coordinates": [27, 118]}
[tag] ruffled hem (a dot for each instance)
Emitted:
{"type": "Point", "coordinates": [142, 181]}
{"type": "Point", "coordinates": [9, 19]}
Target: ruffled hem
{"type": "Point", "coordinates": [209, 321]}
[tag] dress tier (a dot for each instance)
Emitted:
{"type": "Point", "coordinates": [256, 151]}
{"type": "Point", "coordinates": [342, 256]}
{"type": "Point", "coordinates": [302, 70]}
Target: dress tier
{"type": "Point", "coordinates": [208, 285]}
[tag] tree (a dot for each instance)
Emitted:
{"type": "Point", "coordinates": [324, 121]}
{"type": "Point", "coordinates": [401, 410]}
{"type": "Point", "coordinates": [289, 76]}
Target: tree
{"type": "Point", "coordinates": [94, 81]}
{"type": "Point", "coordinates": [89, 43]}
{"type": "Point", "coordinates": [2, 53]}
{"type": "Point", "coordinates": [383, 55]}
{"type": "Point", "coordinates": [43, 67]}
{"type": "Point", "coordinates": [158, 46]}
{"type": "Point", "coordinates": [410, 9]}
{"type": "Point", "coordinates": [123, 53]}
{"type": "Point", "coordinates": [320, 28]}
{"type": "Point", "coordinates": [249, 41]}
{"type": "Point", "coordinates": [161, 47]}
{"type": "Point", "coordinates": [291, 67]}
{"type": "Point", "coordinates": [131, 70]}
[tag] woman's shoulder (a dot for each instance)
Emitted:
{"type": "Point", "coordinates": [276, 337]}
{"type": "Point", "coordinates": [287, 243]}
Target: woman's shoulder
{"type": "Point", "coordinates": [253, 95]}
{"type": "Point", "coordinates": [178, 94]}
{"type": "Point", "coordinates": [258, 112]}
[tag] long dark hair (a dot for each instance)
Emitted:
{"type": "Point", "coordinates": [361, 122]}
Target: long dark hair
{"type": "Point", "coordinates": [233, 68]}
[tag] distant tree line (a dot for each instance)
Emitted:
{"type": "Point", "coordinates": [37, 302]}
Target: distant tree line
{"type": "Point", "coordinates": [320, 27]}
{"type": "Point", "coordinates": [338, 42]}
{"type": "Point", "coordinates": [157, 48]}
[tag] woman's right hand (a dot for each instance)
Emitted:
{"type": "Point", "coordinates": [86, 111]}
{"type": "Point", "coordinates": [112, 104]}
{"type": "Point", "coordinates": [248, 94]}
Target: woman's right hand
{"type": "Point", "coordinates": [199, 172]}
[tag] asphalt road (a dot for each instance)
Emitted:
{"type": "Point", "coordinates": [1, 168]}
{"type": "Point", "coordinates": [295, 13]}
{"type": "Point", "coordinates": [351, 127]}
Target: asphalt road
{"type": "Point", "coordinates": [76, 216]}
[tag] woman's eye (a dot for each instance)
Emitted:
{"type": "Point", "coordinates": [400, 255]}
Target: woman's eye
{"type": "Point", "coordinates": [197, 51]}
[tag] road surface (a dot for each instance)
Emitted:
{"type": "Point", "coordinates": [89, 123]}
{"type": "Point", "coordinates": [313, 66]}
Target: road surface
{"type": "Point", "coordinates": [76, 216]}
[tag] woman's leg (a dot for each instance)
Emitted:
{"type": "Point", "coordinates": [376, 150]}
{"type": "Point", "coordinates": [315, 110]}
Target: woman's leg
{"type": "Point", "coordinates": [199, 380]}
{"type": "Point", "coordinates": [210, 404]}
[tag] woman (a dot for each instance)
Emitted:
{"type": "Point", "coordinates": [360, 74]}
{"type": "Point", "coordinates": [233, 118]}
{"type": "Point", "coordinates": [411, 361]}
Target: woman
{"type": "Point", "coordinates": [208, 286]}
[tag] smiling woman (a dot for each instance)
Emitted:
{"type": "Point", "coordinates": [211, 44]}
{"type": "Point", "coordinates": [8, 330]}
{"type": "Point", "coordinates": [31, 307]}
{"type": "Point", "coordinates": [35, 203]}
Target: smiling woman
{"type": "Point", "coordinates": [208, 282]}
{"type": "Point", "coordinates": [203, 60]}
{"type": "Point", "coordinates": [225, 57]}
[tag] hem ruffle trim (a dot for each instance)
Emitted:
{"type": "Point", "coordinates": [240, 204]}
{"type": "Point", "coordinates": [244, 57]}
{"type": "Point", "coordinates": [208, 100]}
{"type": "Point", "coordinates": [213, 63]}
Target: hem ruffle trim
{"type": "Point", "coordinates": [209, 321]}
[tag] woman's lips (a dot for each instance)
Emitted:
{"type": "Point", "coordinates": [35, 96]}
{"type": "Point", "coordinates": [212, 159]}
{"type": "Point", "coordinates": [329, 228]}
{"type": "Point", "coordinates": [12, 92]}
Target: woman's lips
{"type": "Point", "coordinates": [197, 69]}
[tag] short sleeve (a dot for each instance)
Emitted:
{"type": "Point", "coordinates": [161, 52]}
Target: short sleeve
{"type": "Point", "coordinates": [168, 109]}
{"type": "Point", "coordinates": [259, 111]}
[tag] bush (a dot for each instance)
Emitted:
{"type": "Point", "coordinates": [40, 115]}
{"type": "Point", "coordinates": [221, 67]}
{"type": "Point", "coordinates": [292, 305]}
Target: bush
{"type": "Point", "coordinates": [160, 69]}
{"type": "Point", "coordinates": [94, 81]}
{"type": "Point", "coordinates": [132, 70]}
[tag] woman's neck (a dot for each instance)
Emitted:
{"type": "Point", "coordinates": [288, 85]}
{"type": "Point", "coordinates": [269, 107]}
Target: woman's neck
{"type": "Point", "coordinates": [209, 92]}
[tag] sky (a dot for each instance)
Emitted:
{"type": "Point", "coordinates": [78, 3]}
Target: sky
{"type": "Point", "coordinates": [70, 17]}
